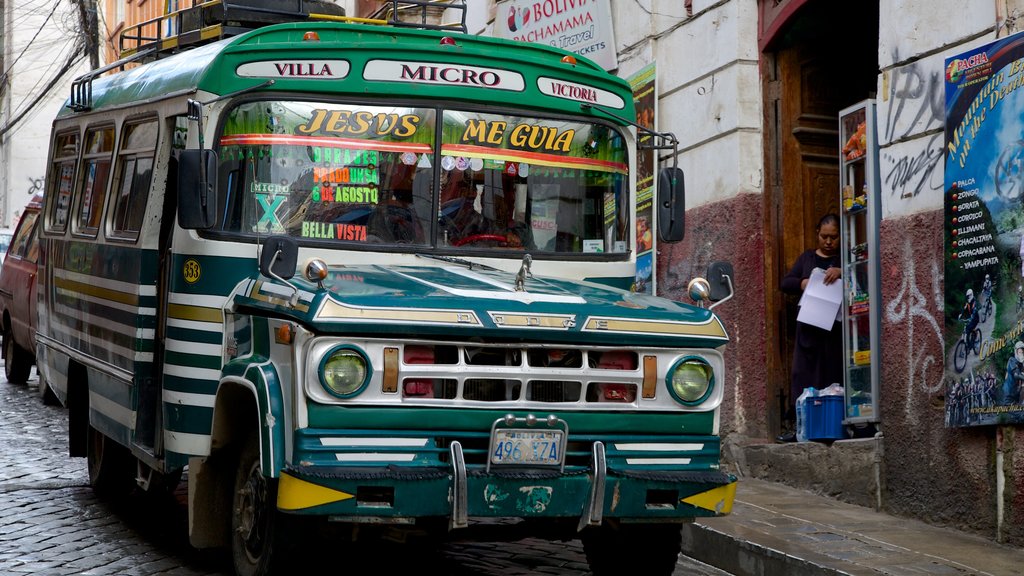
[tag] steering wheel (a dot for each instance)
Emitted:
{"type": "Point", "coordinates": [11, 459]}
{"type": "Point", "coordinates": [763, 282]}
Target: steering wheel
{"type": "Point", "coordinates": [474, 238]}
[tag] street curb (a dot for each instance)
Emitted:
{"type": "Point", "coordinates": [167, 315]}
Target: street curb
{"type": "Point", "coordinates": [742, 557]}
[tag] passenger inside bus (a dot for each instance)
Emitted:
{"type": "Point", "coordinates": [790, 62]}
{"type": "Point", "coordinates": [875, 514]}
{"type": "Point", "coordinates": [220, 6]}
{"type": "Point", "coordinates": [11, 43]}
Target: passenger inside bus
{"type": "Point", "coordinates": [462, 217]}
{"type": "Point", "coordinates": [394, 219]}
{"type": "Point", "coordinates": [474, 214]}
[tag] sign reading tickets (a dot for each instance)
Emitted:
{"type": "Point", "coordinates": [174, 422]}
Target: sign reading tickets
{"type": "Point", "coordinates": [984, 235]}
{"type": "Point", "coordinates": [580, 26]}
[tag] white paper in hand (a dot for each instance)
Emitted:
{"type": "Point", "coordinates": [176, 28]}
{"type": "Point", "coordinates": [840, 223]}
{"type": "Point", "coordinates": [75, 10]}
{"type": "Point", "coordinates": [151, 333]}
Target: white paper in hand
{"type": "Point", "coordinates": [819, 305]}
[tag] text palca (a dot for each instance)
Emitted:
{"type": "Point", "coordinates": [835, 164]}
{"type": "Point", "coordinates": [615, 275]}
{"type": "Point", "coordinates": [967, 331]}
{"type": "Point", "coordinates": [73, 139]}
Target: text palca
{"type": "Point", "coordinates": [496, 133]}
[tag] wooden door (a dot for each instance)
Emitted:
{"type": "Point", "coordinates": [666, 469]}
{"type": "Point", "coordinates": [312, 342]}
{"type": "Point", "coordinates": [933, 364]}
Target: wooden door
{"type": "Point", "coordinates": [808, 75]}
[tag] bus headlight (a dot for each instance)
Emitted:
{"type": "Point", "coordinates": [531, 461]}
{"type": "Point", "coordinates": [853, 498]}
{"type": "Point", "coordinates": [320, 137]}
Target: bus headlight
{"type": "Point", "coordinates": [690, 380]}
{"type": "Point", "coordinates": [344, 372]}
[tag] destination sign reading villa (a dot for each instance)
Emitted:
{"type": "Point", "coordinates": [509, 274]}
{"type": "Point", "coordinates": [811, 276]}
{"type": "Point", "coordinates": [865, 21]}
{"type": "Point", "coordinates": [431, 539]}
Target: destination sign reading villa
{"type": "Point", "coordinates": [312, 69]}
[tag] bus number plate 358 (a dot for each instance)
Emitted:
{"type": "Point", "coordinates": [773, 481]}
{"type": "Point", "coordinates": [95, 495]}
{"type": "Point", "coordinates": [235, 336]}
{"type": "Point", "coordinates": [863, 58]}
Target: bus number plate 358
{"type": "Point", "coordinates": [519, 446]}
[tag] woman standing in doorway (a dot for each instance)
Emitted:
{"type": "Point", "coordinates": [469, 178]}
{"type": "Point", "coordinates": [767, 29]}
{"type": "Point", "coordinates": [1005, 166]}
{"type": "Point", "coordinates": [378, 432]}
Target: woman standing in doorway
{"type": "Point", "coordinates": [817, 353]}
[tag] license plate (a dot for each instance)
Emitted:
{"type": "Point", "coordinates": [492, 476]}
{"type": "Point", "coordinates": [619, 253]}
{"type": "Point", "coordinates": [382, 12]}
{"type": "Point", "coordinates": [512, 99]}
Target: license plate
{"type": "Point", "coordinates": [526, 447]}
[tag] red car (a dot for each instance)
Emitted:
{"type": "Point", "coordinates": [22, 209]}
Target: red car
{"type": "Point", "coordinates": [18, 300]}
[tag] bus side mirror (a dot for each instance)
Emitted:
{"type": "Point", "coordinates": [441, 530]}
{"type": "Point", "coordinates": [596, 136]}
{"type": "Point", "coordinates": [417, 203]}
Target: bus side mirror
{"type": "Point", "coordinates": [279, 257]}
{"type": "Point", "coordinates": [671, 205]}
{"type": "Point", "coordinates": [197, 189]}
{"type": "Point", "coordinates": [720, 277]}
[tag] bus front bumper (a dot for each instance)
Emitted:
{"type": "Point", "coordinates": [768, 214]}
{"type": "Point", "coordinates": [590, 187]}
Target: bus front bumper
{"type": "Point", "coordinates": [399, 494]}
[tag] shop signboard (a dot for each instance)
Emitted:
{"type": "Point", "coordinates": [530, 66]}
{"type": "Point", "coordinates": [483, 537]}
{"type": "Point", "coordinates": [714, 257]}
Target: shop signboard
{"type": "Point", "coordinates": [984, 235]}
{"type": "Point", "coordinates": [580, 26]}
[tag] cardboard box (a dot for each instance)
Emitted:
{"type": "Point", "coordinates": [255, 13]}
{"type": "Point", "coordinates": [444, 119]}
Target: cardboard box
{"type": "Point", "coordinates": [825, 418]}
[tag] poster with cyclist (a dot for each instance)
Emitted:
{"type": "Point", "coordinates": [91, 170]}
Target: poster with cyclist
{"type": "Point", "coordinates": [984, 235]}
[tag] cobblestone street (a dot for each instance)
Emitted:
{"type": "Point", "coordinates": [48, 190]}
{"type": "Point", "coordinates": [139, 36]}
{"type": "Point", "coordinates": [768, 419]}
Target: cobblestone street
{"type": "Point", "coordinates": [51, 523]}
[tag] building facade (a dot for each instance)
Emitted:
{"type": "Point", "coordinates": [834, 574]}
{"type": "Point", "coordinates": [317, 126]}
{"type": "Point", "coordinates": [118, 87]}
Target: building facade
{"type": "Point", "coordinates": [42, 51]}
{"type": "Point", "coordinates": [753, 90]}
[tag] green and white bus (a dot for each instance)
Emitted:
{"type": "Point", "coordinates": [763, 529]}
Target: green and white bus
{"type": "Point", "coordinates": [375, 277]}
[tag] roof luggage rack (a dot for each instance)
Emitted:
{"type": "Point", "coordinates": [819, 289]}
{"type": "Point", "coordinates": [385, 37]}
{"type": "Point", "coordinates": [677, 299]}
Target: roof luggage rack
{"type": "Point", "coordinates": [424, 14]}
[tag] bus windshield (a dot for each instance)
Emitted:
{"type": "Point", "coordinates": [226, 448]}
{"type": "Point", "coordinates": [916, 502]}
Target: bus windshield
{"type": "Point", "coordinates": [327, 173]}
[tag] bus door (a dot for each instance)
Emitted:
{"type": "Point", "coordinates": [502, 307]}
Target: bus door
{"type": "Point", "coordinates": [134, 190]}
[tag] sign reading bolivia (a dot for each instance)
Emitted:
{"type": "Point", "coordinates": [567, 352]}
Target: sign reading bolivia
{"type": "Point", "coordinates": [580, 26]}
{"type": "Point", "coordinates": [984, 234]}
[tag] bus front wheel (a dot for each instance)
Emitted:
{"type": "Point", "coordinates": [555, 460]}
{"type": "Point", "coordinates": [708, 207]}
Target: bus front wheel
{"type": "Point", "coordinates": [254, 528]}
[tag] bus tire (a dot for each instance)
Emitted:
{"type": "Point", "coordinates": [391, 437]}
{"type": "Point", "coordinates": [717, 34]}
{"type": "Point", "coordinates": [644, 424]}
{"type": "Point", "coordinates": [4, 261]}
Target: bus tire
{"type": "Point", "coordinates": [611, 549]}
{"type": "Point", "coordinates": [111, 466]}
{"type": "Point", "coordinates": [254, 518]}
{"type": "Point", "coordinates": [46, 394]}
{"type": "Point", "coordinates": [17, 360]}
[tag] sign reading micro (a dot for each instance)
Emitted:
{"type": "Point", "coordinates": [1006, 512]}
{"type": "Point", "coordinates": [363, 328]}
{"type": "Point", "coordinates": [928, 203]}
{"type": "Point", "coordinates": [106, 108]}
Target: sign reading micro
{"type": "Point", "coordinates": [442, 73]}
{"type": "Point", "coordinates": [579, 92]}
{"type": "Point", "coordinates": [304, 69]}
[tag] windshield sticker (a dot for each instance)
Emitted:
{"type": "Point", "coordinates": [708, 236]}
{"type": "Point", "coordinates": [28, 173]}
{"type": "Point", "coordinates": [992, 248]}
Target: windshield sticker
{"type": "Point", "coordinates": [345, 156]}
{"type": "Point", "coordinates": [424, 161]}
{"type": "Point", "coordinates": [523, 142]}
{"type": "Point", "coordinates": [408, 158]}
{"type": "Point", "coordinates": [519, 136]}
{"type": "Point", "coordinates": [524, 169]}
{"type": "Point", "coordinates": [269, 204]}
{"type": "Point", "coordinates": [329, 231]}
{"type": "Point", "coordinates": [346, 194]}
{"type": "Point", "coordinates": [533, 158]}
{"type": "Point", "coordinates": [313, 141]}
{"type": "Point", "coordinates": [360, 123]}
{"type": "Point", "coordinates": [476, 164]}
{"type": "Point", "coordinates": [447, 163]}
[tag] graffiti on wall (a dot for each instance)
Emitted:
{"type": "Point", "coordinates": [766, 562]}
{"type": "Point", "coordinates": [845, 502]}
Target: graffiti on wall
{"type": "Point", "coordinates": [908, 175]}
{"type": "Point", "coordinates": [910, 309]}
{"type": "Point", "coordinates": [35, 186]}
{"type": "Point", "coordinates": [914, 105]}
{"type": "Point", "coordinates": [915, 102]}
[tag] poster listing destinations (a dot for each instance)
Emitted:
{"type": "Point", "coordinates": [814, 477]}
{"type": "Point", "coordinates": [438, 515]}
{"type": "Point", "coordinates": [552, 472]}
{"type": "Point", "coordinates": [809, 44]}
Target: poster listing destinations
{"type": "Point", "coordinates": [984, 235]}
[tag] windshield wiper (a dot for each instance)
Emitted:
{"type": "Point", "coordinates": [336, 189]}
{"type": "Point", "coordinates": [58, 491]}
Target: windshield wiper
{"type": "Point", "coordinates": [459, 261]}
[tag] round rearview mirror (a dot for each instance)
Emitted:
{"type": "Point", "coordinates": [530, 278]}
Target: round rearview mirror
{"type": "Point", "coordinates": [699, 290]}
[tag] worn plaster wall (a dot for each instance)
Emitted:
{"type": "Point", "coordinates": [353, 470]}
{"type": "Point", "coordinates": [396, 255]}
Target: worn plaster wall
{"type": "Point", "coordinates": [729, 230]}
{"type": "Point", "coordinates": [942, 475]}
{"type": "Point", "coordinates": [709, 97]}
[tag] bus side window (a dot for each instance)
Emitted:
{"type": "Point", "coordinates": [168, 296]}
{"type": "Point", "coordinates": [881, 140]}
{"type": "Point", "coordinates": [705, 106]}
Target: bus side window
{"type": "Point", "coordinates": [133, 175]}
{"type": "Point", "coordinates": [62, 180]}
{"type": "Point", "coordinates": [99, 147]}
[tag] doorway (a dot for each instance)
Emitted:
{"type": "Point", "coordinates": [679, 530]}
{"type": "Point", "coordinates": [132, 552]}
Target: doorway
{"type": "Point", "coordinates": [813, 65]}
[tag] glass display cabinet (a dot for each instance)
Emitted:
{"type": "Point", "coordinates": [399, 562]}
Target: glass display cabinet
{"type": "Point", "coordinates": [859, 217]}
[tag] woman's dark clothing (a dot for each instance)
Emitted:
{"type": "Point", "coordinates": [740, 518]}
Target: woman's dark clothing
{"type": "Point", "coordinates": [817, 353]}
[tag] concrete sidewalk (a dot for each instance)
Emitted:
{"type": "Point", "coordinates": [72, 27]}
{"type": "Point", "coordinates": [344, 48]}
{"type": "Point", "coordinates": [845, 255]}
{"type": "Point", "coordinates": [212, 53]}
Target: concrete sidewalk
{"type": "Point", "coordinates": [776, 530]}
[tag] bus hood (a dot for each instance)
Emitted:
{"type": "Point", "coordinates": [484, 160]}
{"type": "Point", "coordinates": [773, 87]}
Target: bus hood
{"type": "Point", "coordinates": [460, 302]}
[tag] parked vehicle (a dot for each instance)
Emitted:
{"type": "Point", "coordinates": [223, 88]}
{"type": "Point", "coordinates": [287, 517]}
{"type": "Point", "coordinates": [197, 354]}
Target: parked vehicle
{"type": "Point", "coordinates": [250, 270]}
{"type": "Point", "coordinates": [18, 300]}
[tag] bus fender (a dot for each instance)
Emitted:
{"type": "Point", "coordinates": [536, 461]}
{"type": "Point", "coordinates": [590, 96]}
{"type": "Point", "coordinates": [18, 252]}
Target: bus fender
{"type": "Point", "coordinates": [247, 401]}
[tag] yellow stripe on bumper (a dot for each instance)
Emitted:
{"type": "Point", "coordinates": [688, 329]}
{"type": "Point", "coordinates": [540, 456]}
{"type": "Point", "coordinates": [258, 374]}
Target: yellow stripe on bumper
{"type": "Point", "coordinates": [718, 500]}
{"type": "Point", "coordinates": [295, 494]}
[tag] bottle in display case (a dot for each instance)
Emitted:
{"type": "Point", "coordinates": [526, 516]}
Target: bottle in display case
{"type": "Point", "coordinates": [859, 217]}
